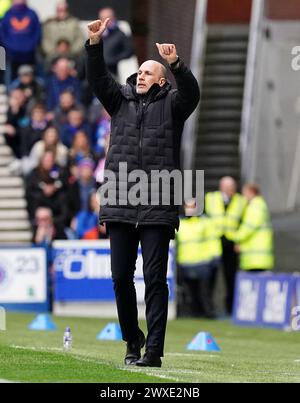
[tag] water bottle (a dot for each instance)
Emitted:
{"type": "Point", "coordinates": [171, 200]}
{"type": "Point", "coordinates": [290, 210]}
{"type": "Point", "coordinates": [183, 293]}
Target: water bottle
{"type": "Point", "coordinates": [67, 339]}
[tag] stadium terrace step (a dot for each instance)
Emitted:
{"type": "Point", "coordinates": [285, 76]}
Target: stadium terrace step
{"type": "Point", "coordinates": [5, 150]}
{"type": "Point", "coordinates": [3, 109]}
{"type": "Point", "coordinates": [219, 119]}
{"type": "Point", "coordinates": [4, 161]}
{"type": "Point", "coordinates": [13, 204]}
{"type": "Point", "coordinates": [13, 214]}
{"type": "Point", "coordinates": [217, 126]}
{"type": "Point", "coordinates": [221, 103]}
{"type": "Point", "coordinates": [4, 171]}
{"type": "Point", "coordinates": [15, 227]}
{"type": "Point", "coordinates": [218, 138]}
{"type": "Point", "coordinates": [18, 225]}
{"type": "Point", "coordinates": [2, 89]}
{"type": "Point", "coordinates": [15, 236]}
{"type": "Point", "coordinates": [221, 46]}
{"type": "Point", "coordinates": [222, 92]}
{"type": "Point", "coordinates": [228, 80]}
{"type": "Point", "coordinates": [9, 182]}
{"type": "Point", "coordinates": [216, 149]}
{"type": "Point", "coordinates": [226, 57]}
{"type": "Point", "coordinates": [3, 119]}
{"type": "Point", "coordinates": [220, 114]}
{"type": "Point", "coordinates": [222, 68]}
{"type": "Point", "coordinates": [3, 99]}
{"type": "Point", "coordinates": [12, 192]}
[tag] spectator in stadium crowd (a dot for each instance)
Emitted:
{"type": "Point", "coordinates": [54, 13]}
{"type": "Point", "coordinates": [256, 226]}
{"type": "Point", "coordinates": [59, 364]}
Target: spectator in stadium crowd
{"type": "Point", "coordinates": [63, 78]}
{"type": "Point", "coordinates": [34, 131]}
{"type": "Point", "coordinates": [45, 186]}
{"type": "Point", "coordinates": [86, 223]}
{"type": "Point", "coordinates": [63, 49]}
{"type": "Point", "coordinates": [81, 149]}
{"type": "Point", "coordinates": [20, 33]}
{"type": "Point", "coordinates": [49, 142]}
{"type": "Point", "coordinates": [99, 171]}
{"type": "Point", "coordinates": [75, 122]}
{"type": "Point", "coordinates": [117, 46]}
{"type": "Point", "coordinates": [32, 86]}
{"type": "Point", "coordinates": [61, 30]}
{"type": "Point", "coordinates": [254, 237]}
{"type": "Point", "coordinates": [199, 249]}
{"type": "Point", "coordinates": [67, 102]}
{"type": "Point", "coordinates": [86, 181]}
{"type": "Point", "coordinates": [5, 5]}
{"type": "Point", "coordinates": [44, 230]}
{"type": "Point", "coordinates": [146, 101]}
{"type": "Point", "coordinates": [16, 119]}
{"type": "Point", "coordinates": [102, 132]}
{"type": "Point", "coordinates": [226, 207]}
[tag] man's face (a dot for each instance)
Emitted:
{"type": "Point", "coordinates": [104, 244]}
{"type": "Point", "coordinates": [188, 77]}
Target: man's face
{"type": "Point", "coordinates": [26, 79]}
{"type": "Point", "coordinates": [150, 72]}
{"type": "Point", "coordinates": [107, 13]}
{"type": "Point", "coordinates": [62, 11]}
{"type": "Point", "coordinates": [62, 69]}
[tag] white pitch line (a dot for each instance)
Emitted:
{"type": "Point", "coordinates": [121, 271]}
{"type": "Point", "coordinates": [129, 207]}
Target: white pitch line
{"type": "Point", "coordinates": [191, 355]}
{"type": "Point", "coordinates": [6, 381]}
{"type": "Point", "coordinates": [36, 348]}
{"type": "Point", "coordinates": [151, 373]}
{"type": "Point", "coordinates": [159, 373]}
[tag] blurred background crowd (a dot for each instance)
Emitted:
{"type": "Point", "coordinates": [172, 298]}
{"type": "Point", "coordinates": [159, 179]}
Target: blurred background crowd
{"type": "Point", "coordinates": [245, 131]}
{"type": "Point", "coordinates": [58, 132]}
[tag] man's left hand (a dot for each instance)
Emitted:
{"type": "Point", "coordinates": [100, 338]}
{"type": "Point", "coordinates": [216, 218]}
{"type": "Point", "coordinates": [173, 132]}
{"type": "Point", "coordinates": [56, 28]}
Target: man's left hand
{"type": "Point", "coordinates": [167, 51]}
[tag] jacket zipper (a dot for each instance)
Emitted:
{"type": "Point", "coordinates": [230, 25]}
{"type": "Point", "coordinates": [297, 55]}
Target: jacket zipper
{"type": "Point", "coordinates": [140, 155]}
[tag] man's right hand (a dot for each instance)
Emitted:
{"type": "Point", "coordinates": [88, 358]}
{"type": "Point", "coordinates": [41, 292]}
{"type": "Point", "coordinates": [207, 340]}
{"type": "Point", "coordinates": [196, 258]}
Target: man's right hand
{"type": "Point", "coordinates": [96, 29]}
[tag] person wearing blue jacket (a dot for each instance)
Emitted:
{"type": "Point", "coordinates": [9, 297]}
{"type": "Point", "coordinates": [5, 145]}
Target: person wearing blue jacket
{"type": "Point", "coordinates": [20, 35]}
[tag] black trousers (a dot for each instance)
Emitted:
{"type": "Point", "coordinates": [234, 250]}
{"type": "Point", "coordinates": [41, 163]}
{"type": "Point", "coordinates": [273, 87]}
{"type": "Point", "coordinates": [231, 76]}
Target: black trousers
{"type": "Point", "coordinates": [230, 266]}
{"type": "Point", "coordinates": [124, 241]}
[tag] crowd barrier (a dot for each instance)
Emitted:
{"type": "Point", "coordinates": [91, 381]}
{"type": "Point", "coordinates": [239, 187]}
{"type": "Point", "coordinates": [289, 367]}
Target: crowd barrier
{"type": "Point", "coordinates": [23, 279]}
{"type": "Point", "coordinates": [79, 279]}
{"type": "Point", "coordinates": [267, 300]}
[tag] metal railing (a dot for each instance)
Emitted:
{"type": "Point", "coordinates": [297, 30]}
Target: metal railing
{"type": "Point", "coordinates": [257, 15]}
{"type": "Point", "coordinates": [196, 65]}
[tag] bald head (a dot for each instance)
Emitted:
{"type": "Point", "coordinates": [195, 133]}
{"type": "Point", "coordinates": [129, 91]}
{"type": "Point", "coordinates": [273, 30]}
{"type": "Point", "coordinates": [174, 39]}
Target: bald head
{"type": "Point", "coordinates": [228, 186]}
{"type": "Point", "coordinates": [150, 72]}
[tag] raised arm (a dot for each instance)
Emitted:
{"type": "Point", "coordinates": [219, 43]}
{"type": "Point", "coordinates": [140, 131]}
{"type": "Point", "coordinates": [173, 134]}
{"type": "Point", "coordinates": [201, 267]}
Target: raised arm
{"type": "Point", "coordinates": [101, 81]}
{"type": "Point", "coordinates": [188, 94]}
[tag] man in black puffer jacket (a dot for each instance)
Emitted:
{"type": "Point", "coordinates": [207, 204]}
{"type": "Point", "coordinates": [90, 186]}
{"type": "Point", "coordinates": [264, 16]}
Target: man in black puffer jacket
{"type": "Point", "coordinates": [147, 123]}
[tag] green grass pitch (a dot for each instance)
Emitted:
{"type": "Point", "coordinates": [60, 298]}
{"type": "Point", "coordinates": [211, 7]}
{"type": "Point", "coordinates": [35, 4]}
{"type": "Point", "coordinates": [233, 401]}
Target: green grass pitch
{"type": "Point", "coordinates": [248, 354]}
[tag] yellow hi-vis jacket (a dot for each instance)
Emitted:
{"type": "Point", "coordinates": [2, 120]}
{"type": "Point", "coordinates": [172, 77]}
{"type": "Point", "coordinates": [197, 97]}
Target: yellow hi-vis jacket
{"type": "Point", "coordinates": [197, 242]}
{"type": "Point", "coordinates": [4, 6]}
{"type": "Point", "coordinates": [226, 220]}
{"type": "Point", "coordinates": [255, 237]}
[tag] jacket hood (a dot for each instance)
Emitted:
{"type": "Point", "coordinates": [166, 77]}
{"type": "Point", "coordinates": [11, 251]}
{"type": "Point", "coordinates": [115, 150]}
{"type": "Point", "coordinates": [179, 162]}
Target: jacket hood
{"type": "Point", "coordinates": [129, 90]}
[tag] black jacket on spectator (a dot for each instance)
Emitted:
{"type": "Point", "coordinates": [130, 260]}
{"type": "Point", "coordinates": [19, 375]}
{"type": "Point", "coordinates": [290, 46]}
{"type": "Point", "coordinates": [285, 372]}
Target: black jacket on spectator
{"type": "Point", "coordinates": [117, 46]}
{"type": "Point", "coordinates": [29, 136]}
{"type": "Point", "coordinates": [36, 198]}
{"type": "Point", "coordinates": [17, 121]}
{"type": "Point", "coordinates": [145, 132]}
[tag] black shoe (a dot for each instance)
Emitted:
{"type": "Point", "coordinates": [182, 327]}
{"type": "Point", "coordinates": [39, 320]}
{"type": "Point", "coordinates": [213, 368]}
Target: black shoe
{"type": "Point", "coordinates": [133, 352]}
{"type": "Point", "coordinates": [149, 360]}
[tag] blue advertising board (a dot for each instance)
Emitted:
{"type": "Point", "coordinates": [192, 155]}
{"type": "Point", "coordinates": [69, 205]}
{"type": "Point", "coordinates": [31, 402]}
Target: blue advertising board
{"type": "Point", "coordinates": [23, 279]}
{"type": "Point", "coordinates": [82, 272]}
{"type": "Point", "coordinates": [264, 299]}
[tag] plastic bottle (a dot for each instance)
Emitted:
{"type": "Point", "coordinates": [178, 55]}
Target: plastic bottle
{"type": "Point", "coordinates": [67, 342]}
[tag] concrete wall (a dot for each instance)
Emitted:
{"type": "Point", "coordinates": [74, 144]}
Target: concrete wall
{"type": "Point", "coordinates": [276, 119]}
{"type": "Point", "coordinates": [45, 9]}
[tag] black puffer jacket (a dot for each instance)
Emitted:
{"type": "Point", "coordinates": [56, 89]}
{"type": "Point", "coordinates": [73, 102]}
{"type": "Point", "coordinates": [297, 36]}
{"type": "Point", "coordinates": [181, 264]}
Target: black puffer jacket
{"type": "Point", "coordinates": [145, 133]}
